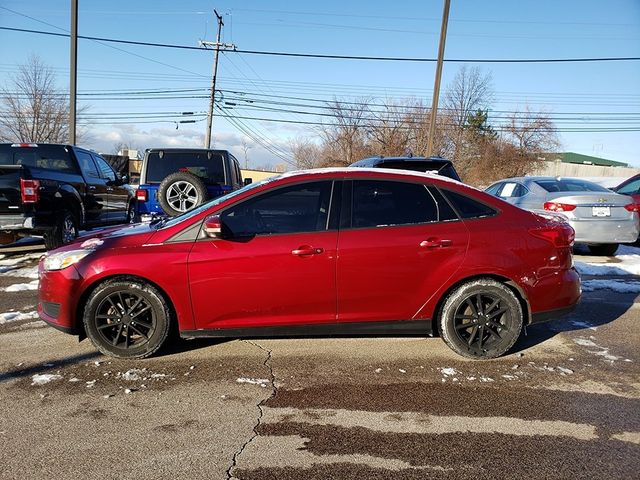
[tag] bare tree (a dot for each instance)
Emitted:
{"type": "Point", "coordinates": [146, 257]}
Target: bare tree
{"type": "Point", "coordinates": [306, 153]}
{"type": "Point", "coordinates": [344, 138]}
{"type": "Point", "coordinates": [245, 148]}
{"type": "Point", "coordinates": [532, 132]}
{"type": "Point", "coordinates": [469, 92]}
{"type": "Point", "coordinates": [35, 110]}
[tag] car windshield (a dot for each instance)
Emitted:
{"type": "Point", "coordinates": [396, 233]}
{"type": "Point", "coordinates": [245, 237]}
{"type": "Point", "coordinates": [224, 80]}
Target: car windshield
{"type": "Point", "coordinates": [207, 165]}
{"type": "Point", "coordinates": [211, 203]}
{"type": "Point", "coordinates": [570, 185]}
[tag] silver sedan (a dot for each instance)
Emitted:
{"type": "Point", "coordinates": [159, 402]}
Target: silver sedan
{"type": "Point", "coordinates": [601, 218]}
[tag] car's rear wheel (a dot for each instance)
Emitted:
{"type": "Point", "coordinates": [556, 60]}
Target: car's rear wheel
{"type": "Point", "coordinates": [64, 231]}
{"type": "Point", "coordinates": [481, 319]}
{"type": "Point", "coordinates": [127, 318]}
{"type": "Point", "coordinates": [606, 249]}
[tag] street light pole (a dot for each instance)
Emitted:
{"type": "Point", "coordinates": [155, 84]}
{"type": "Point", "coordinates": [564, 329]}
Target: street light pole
{"type": "Point", "coordinates": [436, 87]}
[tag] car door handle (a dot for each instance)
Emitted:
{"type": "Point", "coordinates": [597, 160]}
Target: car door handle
{"type": "Point", "coordinates": [92, 187]}
{"type": "Point", "coordinates": [306, 250]}
{"type": "Point", "coordinates": [109, 189]}
{"type": "Point", "coordinates": [435, 243]}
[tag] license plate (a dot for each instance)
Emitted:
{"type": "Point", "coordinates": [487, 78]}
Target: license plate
{"type": "Point", "coordinates": [601, 211]}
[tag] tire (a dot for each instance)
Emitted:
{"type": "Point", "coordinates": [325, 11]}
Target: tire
{"type": "Point", "coordinates": [140, 331]}
{"type": "Point", "coordinates": [64, 231]}
{"type": "Point", "coordinates": [491, 332]}
{"type": "Point", "coordinates": [180, 192]}
{"type": "Point", "coordinates": [131, 214]}
{"type": "Point", "coordinates": [605, 249]}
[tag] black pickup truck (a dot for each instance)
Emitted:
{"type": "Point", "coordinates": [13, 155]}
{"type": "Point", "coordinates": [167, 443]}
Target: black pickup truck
{"type": "Point", "coordinates": [55, 190]}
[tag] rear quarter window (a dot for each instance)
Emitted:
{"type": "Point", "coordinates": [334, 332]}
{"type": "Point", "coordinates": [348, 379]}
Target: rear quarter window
{"type": "Point", "coordinates": [468, 207]}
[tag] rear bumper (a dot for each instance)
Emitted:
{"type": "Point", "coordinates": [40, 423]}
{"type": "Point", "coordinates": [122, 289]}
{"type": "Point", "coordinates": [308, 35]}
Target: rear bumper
{"type": "Point", "coordinates": [606, 231]}
{"type": "Point", "coordinates": [541, 317]}
{"type": "Point", "coordinates": [16, 222]}
{"type": "Point", "coordinates": [554, 295]}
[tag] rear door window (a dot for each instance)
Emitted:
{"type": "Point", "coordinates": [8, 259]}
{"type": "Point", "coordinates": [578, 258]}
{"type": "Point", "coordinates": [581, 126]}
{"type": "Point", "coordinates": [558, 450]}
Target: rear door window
{"type": "Point", "coordinates": [209, 166]}
{"type": "Point", "coordinates": [512, 190]}
{"type": "Point", "coordinates": [87, 165]}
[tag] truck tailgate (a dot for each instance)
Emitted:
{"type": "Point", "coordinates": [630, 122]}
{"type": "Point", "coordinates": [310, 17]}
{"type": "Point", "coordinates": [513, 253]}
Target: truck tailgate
{"type": "Point", "coordinates": [10, 202]}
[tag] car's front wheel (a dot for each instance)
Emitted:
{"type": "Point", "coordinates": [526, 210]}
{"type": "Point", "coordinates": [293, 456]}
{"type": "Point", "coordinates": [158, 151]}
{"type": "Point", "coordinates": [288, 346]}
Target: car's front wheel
{"type": "Point", "coordinates": [127, 318]}
{"type": "Point", "coordinates": [481, 319]}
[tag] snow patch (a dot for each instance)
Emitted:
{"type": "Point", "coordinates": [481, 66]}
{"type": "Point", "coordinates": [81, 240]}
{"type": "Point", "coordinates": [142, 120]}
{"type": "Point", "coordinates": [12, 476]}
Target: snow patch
{"type": "Point", "coordinates": [614, 285]}
{"type": "Point", "coordinates": [22, 287]}
{"type": "Point", "coordinates": [15, 316]}
{"type": "Point", "coordinates": [132, 375]}
{"type": "Point", "coordinates": [448, 371]}
{"type": "Point", "coordinates": [253, 381]}
{"type": "Point", "coordinates": [44, 378]}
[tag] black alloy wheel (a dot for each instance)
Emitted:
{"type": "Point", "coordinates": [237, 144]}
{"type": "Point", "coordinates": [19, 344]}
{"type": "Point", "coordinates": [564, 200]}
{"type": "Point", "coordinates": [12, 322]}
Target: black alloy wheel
{"type": "Point", "coordinates": [481, 319]}
{"type": "Point", "coordinates": [127, 318]}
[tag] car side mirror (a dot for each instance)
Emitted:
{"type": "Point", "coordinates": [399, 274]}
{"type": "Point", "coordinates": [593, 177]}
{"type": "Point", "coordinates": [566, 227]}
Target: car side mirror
{"type": "Point", "coordinates": [247, 181]}
{"type": "Point", "coordinates": [213, 226]}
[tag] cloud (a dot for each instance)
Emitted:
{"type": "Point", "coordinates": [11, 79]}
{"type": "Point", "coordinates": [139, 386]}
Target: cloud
{"type": "Point", "coordinates": [105, 139]}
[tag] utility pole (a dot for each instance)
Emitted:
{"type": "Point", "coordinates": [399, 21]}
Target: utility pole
{"type": "Point", "coordinates": [73, 71]}
{"type": "Point", "coordinates": [436, 87]}
{"type": "Point", "coordinates": [217, 45]}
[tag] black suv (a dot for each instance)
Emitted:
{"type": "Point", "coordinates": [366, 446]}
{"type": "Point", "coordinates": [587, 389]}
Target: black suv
{"type": "Point", "coordinates": [437, 165]}
{"type": "Point", "coordinates": [55, 190]}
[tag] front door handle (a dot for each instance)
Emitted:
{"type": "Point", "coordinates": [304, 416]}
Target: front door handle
{"type": "Point", "coordinates": [435, 243]}
{"type": "Point", "coordinates": [92, 187]}
{"type": "Point", "coordinates": [306, 250]}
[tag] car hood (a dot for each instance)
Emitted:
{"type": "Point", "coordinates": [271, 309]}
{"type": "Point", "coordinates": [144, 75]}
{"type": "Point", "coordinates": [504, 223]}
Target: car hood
{"type": "Point", "coordinates": [120, 236]}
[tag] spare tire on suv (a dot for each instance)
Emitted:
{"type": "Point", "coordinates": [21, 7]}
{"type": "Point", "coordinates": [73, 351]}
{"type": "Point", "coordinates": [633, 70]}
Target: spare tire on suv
{"type": "Point", "coordinates": [181, 191]}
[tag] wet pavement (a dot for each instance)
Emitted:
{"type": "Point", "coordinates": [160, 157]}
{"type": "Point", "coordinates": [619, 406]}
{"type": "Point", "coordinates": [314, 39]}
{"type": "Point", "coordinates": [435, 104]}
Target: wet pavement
{"type": "Point", "coordinates": [565, 403]}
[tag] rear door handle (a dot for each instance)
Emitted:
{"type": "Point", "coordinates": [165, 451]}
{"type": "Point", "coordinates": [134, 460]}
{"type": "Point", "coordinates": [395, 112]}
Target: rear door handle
{"type": "Point", "coordinates": [92, 187]}
{"type": "Point", "coordinates": [435, 243]}
{"type": "Point", "coordinates": [306, 250]}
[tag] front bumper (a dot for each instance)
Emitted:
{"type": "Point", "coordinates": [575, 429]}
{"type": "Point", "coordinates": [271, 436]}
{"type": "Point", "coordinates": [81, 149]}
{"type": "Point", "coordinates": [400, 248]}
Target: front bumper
{"type": "Point", "coordinates": [58, 298]}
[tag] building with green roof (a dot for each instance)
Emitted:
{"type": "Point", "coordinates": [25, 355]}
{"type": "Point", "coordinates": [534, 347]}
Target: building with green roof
{"type": "Point", "coordinates": [571, 157]}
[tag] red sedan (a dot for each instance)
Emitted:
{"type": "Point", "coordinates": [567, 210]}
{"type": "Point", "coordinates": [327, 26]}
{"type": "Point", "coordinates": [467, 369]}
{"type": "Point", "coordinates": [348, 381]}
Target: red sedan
{"type": "Point", "coordinates": [332, 251]}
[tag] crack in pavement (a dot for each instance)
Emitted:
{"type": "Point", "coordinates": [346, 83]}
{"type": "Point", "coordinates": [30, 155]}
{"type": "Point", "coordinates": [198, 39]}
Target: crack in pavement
{"type": "Point", "coordinates": [274, 391]}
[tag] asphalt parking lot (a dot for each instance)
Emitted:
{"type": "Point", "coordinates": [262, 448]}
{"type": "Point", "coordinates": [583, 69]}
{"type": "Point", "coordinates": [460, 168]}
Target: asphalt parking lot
{"type": "Point", "coordinates": [565, 403]}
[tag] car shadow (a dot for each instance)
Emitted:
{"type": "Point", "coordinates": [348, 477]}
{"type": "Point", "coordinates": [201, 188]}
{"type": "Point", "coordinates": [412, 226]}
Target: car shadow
{"type": "Point", "coordinates": [603, 301]}
{"type": "Point", "coordinates": [46, 366]}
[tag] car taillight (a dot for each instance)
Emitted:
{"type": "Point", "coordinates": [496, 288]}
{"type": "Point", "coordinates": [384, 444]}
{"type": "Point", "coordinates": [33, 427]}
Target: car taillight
{"type": "Point", "coordinates": [29, 190]}
{"type": "Point", "coordinates": [633, 207]}
{"type": "Point", "coordinates": [561, 235]}
{"type": "Point", "coordinates": [558, 207]}
{"type": "Point", "coordinates": [141, 195]}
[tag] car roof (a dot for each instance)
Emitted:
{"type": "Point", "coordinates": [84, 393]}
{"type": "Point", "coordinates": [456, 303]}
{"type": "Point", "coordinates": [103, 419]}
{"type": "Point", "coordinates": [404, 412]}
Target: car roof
{"type": "Point", "coordinates": [372, 161]}
{"type": "Point", "coordinates": [368, 172]}
{"type": "Point", "coordinates": [184, 150]}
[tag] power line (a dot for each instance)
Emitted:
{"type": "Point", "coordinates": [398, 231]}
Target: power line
{"type": "Point", "coordinates": [337, 57]}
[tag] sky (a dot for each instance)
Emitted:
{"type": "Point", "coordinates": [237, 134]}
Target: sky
{"type": "Point", "coordinates": [137, 94]}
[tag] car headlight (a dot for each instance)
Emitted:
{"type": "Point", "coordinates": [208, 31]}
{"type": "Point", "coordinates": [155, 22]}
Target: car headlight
{"type": "Point", "coordinates": [62, 260]}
